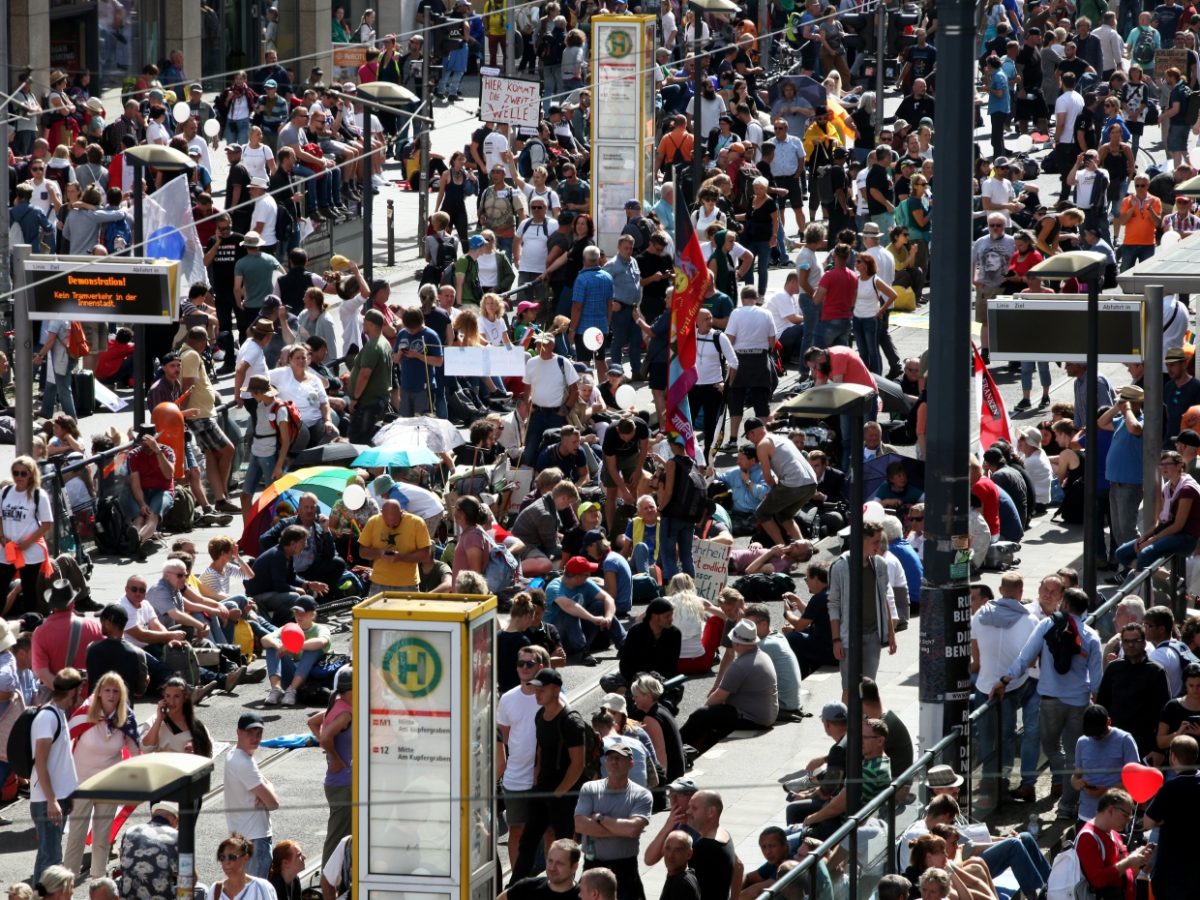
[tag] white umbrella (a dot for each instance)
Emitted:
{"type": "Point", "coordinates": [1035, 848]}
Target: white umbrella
{"type": "Point", "coordinates": [420, 431]}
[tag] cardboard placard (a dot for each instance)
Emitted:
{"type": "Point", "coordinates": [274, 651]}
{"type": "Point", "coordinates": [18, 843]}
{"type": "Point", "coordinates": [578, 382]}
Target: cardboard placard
{"type": "Point", "coordinates": [711, 560]}
{"type": "Point", "coordinates": [510, 100]}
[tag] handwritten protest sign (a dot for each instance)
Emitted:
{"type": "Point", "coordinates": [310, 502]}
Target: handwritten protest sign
{"type": "Point", "coordinates": [490, 362]}
{"type": "Point", "coordinates": [711, 560]}
{"type": "Point", "coordinates": [510, 100]}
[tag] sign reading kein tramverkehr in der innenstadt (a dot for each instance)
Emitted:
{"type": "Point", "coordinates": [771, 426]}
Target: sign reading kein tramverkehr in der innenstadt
{"type": "Point", "coordinates": [80, 288]}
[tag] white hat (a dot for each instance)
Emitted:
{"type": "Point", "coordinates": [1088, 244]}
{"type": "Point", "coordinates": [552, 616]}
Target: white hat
{"type": "Point", "coordinates": [614, 703]}
{"type": "Point", "coordinates": [8, 636]}
{"type": "Point", "coordinates": [259, 182]}
{"type": "Point", "coordinates": [744, 632]}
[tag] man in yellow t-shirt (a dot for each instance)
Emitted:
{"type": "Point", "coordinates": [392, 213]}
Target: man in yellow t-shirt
{"type": "Point", "coordinates": [396, 541]}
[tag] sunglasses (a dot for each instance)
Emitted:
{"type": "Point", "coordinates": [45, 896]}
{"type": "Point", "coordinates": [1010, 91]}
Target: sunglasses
{"type": "Point", "coordinates": [136, 590]}
{"type": "Point", "coordinates": [526, 664]}
{"type": "Point", "coordinates": [20, 473]}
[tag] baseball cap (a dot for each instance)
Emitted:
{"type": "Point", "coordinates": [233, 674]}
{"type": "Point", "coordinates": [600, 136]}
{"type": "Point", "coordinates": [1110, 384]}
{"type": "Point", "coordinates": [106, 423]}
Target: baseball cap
{"type": "Point", "coordinates": [1033, 436]}
{"type": "Point", "coordinates": [633, 204]}
{"type": "Point", "coordinates": [270, 82]}
{"type": "Point", "coordinates": [156, 94]}
{"type": "Point", "coordinates": [615, 369]}
{"type": "Point", "coordinates": [349, 88]}
{"type": "Point", "coordinates": [305, 604]}
{"type": "Point", "coordinates": [683, 786]}
{"type": "Point", "coordinates": [547, 677]}
{"type": "Point", "coordinates": [116, 614]}
{"type": "Point", "coordinates": [577, 565]}
{"type": "Point", "coordinates": [249, 721]}
{"type": "Point", "coordinates": [618, 747]}
{"type": "Point", "coordinates": [526, 304]}
{"type": "Point", "coordinates": [259, 182]}
{"type": "Point", "coordinates": [751, 424]}
{"type": "Point", "coordinates": [1188, 438]}
{"type": "Point", "coordinates": [476, 242]}
{"type": "Point", "coordinates": [833, 712]}
{"type": "Point", "coordinates": [592, 537]}
{"type": "Point", "coordinates": [586, 506]}
{"type": "Point", "coordinates": [233, 148]}
{"type": "Point", "coordinates": [194, 151]}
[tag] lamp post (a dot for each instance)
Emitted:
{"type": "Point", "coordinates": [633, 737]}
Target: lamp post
{"type": "Point", "coordinates": [386, 95]}
{"type": "Point", "coordinates": [181, 778]}
{"type": "Point", "coordinates": [164, 159]}
{"type": "Point", "coordinates": [1085, 265]}
{"type": "Point", "coordinates": [852, 400]}
{"type": "Point", "coordinates": [701, 8]}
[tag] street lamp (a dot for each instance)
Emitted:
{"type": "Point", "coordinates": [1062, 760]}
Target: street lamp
{"type": "Point", "coordinates": [181, 778]}
{"type": "Point", "coordinates": [1189, 188]}
{"type": "Point", "coordinates": [1085, 265]}
{"type": "Point", "coordinates": [164, 159]}
{"type": "Point", "coordinates": [700, 8]}
{"type": "Point", "coordinates": [385, 95]}
{"type": "Point", "coordinates": [851, 401]}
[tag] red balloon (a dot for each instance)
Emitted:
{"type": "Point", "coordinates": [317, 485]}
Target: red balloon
{"type": "Point", "coordinates": [292, 638]}
{"type": "Point", "coordinates": [1142, 782]}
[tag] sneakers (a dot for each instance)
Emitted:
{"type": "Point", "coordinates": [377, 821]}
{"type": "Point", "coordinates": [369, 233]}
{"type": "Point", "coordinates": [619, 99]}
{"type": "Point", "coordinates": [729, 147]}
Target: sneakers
{"type": "Point", "coordinates": [1044, 403]}
{"type": "Point", "coordinates": [254, 676]}
{"type": "Point", "coordinates": [202, 691]}
{"type": "Point", "coordinates": [289, 697]}
{"type": "Point", "coordinates": [274, 695]}
{"type": "Point", "coordinates": [1023, 405]}
{"type": "Point", "coordinates": [234, 678]}
{"type": "Point", "coordinates": [226, 506]}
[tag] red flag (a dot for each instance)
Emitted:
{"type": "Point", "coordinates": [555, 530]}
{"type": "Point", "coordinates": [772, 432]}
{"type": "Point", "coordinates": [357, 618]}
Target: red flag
{"type": "Point", "coordinates": [691, 278]}
{"type": "Point", "coordinates": [993, 418]}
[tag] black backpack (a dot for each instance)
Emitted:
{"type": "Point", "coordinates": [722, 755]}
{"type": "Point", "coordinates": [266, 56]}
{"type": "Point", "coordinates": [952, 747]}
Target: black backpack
{"type": "Point", "coordinates": [591, 745]}
{"type": "Point", "coordinates": [1064, 641]}
{"type": "Point", "coordinates": [690, 498]}
{"type": "Point", "coordinates": [20, 741]}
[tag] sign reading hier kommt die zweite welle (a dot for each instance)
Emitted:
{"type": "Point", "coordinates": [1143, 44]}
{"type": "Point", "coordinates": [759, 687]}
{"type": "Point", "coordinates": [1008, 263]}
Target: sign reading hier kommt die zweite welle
{"type": "Point", "coordinates": [132, 292]}
{"type": "Point", "coordinates": [511, 100]}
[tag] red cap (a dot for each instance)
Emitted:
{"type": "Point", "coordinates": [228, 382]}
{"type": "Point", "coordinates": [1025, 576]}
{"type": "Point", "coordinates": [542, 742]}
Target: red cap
{"type": "Point", "coordinates": [577, 565]}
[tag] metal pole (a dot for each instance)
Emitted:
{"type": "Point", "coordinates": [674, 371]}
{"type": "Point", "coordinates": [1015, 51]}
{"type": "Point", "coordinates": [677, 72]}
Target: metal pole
{"type": "Point", "coordinates": [139, 331]}
{"type": "Point", "coordinates": [880, 52]}
{"type": "Point", "coordinates": [852, 636]}
{"type": "Point", "coordinates": [945, 677]}
{"type": "Point", "coordinates": [185, 884]}
{"type": "Point", "coordinates": [511, 39]}
{"type": "Point", "coordinates": [22, 363]}
{"type": "Point", "coordinates": [391, 226]}
{"type": "Point", "coordinates": [5, 281]}
{"type": "Point", "coordinates": [697, 146]}
{"type": "Point", "coordinates": [1152, 409]}
{"type": "Point", "coordinates": [423, 176]}
{"type": "Point", "coordinates": [367, 206]}
{"type": "Point", "coordinates": [1090, 461]}
{"type": "Point", "coordinates": [764, 30]}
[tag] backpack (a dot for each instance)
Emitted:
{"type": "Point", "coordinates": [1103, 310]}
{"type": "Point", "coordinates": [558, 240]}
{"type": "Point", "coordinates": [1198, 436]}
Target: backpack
{"type": "Point", "coordinates": [1185, 655]}
{"type": "Point", "coordinates": [114, 230]}
{"type": "Point", "coordinates": [182, 661]}
{"type": "Point", "coordinates": [181, 516]}
{"type": "Point", "coordinates": [1191, 109]}
{"type": "Point", "coordinates": [550, 48]}
{"type": "Point", "coordinates": [1064, 641]}
{"type": "Point", "coordinates": [111, 527]}
{"type": "Point", "coordinates": [591, 746]}
{"type": "Point", "coordinates": [525, 162]}
{"type": "Point", "coordinates": [501, 569]}
{"type": "Point", "coordinates": [293, 414]}
{"type": "Point", "coordinates": [1143, 47]}
{"type": "Point", "coordinates": [1066, 880]}
{"type": "Point", "coordinates": [447, 253]}
{"type": "Point", "coordinates": [690, 498]}
{"type": "Point", "coordinates": [77, 342]}
{"type": "Point", "coordinates": [760, 587]}
{"type": "Point", "coordinates": [645, 230]}
{"type": "Point", "coordinates": [20, 741]}
{"type": "Point", "coordinates": [110, 139]}
{"type": "Point", "coordinates": [901, 216]}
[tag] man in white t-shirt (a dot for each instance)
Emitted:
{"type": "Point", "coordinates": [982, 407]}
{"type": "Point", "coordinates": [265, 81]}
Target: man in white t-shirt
{"type": "Point", "coordinates": [249, 796]}
{"type": "Point", "coordinates": [885, 271]}
{"type": "Point", "coordinates": [751, 330]}
{"type": "Point", "coordinates": [531, 241]}
{"type": "Point", "coordinates": [495, 145]}
{"type": "Point", "coordinates": [784, 307]}
{"type": "Point", "coordinates": [264, 214]}
{"type": "Point", "coordinates": [997, 191]}
{"type": "Point", "coordinates": [53, 779]}
{"type": "Point", "coordinates": [553, 388]}
{"type": "Point", "coordinates": [1067, 108]}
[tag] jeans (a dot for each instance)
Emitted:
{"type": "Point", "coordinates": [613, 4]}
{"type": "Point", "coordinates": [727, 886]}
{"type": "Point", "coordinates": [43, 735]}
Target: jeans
{"type": "Point", "coordinates": [320, 192]}
{"type": "Point", "coordinates": [1022, 855]}
{"type": "Point", "coordinates": [642, 559]}
{"type": "Point", "coordinates": [552, 85]}
{"type": "Point", "coordinates": [624, 332]}
{"type": "Point", "coordinates": [1043, 369]}
{"type": "Point", "coordinates": [792, 336]}
{"type": "Point", "coordinates": [237, 131]}
{"type": "Point", "coordinates": [1171, 545]}
{"type": "Point", "coordinates": [1027, 700]}
{"type": "Point", "coordinates": [762, 261]}
{"type": "Point", "coordinates": [449, 82]}
{"type": "Point", "coordinates": [866, 336]}
{"type": "Point", "coordinates": [288, 669]}
{"type": "Point", "coordinates": [834, 332]}
{"type": "Point", "coordinates": [1132, 254]}
{"type": "Point", "coordinates": [677, 536]}
{"type": "Point", "coordinates": [812, 322]}
{"type": "Point", "coordinates": [577, 635]}
{"type": "Point", "coordinates": [540, 420]}
{"type": "Point", "coordinates": [363, 419]}
{"type": "Point", "coordinates": [49, 836]}
{"type": "Point", "coordinates": [260, 863]}
{"type": "Point", "coordinates": [61, 390]}
{"type": "Point", "coordinates": [1061, 727]}
{"type": "Point", "coordinates": [999, 123]}
{"type": "Point", "coordinates": [1123, 503]}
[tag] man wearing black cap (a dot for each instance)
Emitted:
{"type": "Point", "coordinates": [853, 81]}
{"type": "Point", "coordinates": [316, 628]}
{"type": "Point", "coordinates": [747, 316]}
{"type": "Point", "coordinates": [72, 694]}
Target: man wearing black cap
{"type": "Point", "coordinates": [115, 654]}
{"type": "Point", "coordinates": [618, 578]}
{"type": "Point", "coordinates": [611, 814]}
{"type": "Point", "coordinates": [653, 644]}
{"type": "Point", "coordinates": [249, 795]}
{"type": "Point", "coordinates": [1187, 444]}
{"type": "Point", "coordinates": [561, 741]}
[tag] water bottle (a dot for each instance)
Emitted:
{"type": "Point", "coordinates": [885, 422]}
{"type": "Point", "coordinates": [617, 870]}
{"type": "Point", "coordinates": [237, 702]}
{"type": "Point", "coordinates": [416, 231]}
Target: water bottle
{"type": "Point", "coordinates": [1034, 826]}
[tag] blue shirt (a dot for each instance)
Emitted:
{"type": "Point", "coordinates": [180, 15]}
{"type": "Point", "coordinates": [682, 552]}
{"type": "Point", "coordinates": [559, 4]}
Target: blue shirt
{"type": "Point", "coordinates": [593, 289]}
{"type": "Point", "coordinates": [914, 570]}
{"type": "Point", "coordinates": [1011, 528]}
{"type": "Point", "coordinates": [412, 371]}
{"type": "Point", "coordinates": [626, 280]}
{"type": "Point", "coordinates": [1100, 760]}
{"type": "Point", "coordinates": [745, 499]}
{"type": "Point", "coordinates": [1002, 103]}
{"type": "Point", "coordinates": [1124, 462]}
{"type": "Point", "coordinates": [619, 566]}
{"type": "Point", "coordinates": [582, 595]}
{"type": "Point", "coordinates": [1080, 681]}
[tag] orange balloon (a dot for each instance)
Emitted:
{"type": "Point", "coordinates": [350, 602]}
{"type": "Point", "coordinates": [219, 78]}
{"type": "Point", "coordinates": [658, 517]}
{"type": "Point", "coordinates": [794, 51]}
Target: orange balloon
{"type": "Point", "coordinates": [168, 425]}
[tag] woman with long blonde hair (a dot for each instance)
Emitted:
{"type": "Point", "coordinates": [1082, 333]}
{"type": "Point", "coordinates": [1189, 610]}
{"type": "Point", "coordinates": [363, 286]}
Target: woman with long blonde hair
{"type": "Point", "coordinates": [102, 730]}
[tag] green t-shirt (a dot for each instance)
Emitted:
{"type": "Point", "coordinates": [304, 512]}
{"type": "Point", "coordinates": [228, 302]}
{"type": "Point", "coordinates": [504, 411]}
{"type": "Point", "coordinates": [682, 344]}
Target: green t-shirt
{"type": "Point", "coordinates": [258, 277]}
{"type": "Point", "coordinates": [375, 355]}
{"type": "Point", "coordinates": [719, 304]}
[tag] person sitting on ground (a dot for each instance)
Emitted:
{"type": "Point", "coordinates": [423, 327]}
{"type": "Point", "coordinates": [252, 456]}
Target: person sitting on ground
{"type": "Point", "coordinates": [584, 612]}
{"type": "Point", "coordinates": [319, 560]}
{"type": "Point", "coordinates": [640, 544]}
{"type": "Point", "coordinates": [653, 644]}
{"type": "Point", "coordinates": [293, 669]}
{"type": "Point", "coordinates": [807, 627]}
{"type": "Point", "coordinates": [787, 669]}
{"type": "Point", "coordinates": [538, 526]}
{"type": "Point", "coordinates": [618, 579]}
{"type": "Point", "coordinates": [275, 587]}
{"type": "Point", "coordinates": [659, 724]}
{"type": "Point", "coordinates": [151, 491]}
{"type": "Point", "coordinates": [896, 492]}
{"type": "Point", "coordinates": [700, 625]}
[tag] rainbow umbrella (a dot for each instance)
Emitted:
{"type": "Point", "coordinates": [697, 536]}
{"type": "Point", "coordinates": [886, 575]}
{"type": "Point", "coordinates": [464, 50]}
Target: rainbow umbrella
{"type": "Point", "coordinates": [327, 482]}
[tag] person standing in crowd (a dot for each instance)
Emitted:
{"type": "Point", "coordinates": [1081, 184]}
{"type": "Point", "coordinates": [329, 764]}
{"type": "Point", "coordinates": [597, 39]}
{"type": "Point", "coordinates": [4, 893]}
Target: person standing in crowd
{"type": "Point", "coordinates": [249, 799]}
{"type": "Point", "coordinates": [611, 815]}
{"type": "Point", "coordinates": [54, 778]}
{"type": "Point", "coordinates": [878, 616]}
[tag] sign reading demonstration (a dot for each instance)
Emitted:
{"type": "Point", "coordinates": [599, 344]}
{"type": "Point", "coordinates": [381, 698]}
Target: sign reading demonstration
{"type": "Point", "coordinates": [82, 288]}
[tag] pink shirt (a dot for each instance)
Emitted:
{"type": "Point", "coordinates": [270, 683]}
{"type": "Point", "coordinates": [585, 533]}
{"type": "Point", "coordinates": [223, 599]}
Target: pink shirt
{"type": "Point", "coordinates": [49, 647]}
{"type": "Point", "coordinates": [846, 365]}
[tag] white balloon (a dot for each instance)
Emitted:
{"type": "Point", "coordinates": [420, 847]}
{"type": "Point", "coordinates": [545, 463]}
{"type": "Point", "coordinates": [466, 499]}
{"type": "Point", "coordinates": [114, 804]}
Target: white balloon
{"type": "Point", "coordinates": [354, 497]}
{"type": "Point", "coordinates": [593, 338]}
{"type": "Point", "coordinates": [212, 128]}
{"type": "Point", "coordinates": [181, 111]}
{"type": "Point", "coordinates": [873, 511]}
{"type": "Point", "coordinates": [1169, 239]}
{"type": "Point", "coordinates": [625, 396]}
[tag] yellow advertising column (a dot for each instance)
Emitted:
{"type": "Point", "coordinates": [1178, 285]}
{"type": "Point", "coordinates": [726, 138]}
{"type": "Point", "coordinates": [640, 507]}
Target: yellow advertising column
{"type": "Point", "coordinates": [623, 142]}
{"type": "Point", "coordinates": [424, 747]}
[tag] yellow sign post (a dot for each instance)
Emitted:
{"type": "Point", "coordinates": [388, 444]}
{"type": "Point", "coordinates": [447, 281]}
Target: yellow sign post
{"type": "Point", "coordinates": [424, 747]}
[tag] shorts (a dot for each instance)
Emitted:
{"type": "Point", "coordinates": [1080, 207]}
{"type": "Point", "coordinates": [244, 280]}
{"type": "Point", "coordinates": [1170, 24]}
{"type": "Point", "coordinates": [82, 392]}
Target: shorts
{"type": "Point", "coordinates": [982, 296]}
{"type": "Point", "coordinates": [782, 503]}
{"type": "Point", "coordinates": [258, 471]}
{"type": "Point", "coordinates": [209, 437]}
{"type": "Point", "coordinates": [626, 467]}
{"type": "Point", "coordinates": [97, 335]}
{"type": "Point", "coordinates": [658, 376]}
{"type": "Point", "coordinates": [189, 453]}
{"type": "Point", "coordinates": [158, 501]}
{"type": "Point", "coordinates": [1177, 138]}
{"type": "Point", "coordinates": [414, 403]}
{"type": "Point", "coordinates": [795, 197]}
{"type": "Point", "coordinates": [517, 806]}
